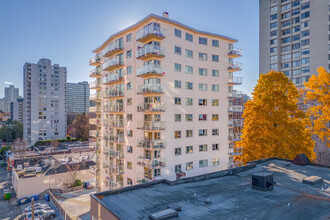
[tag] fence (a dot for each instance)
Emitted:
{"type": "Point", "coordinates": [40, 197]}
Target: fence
{"type": "Point", "coordinates": [58, 206]}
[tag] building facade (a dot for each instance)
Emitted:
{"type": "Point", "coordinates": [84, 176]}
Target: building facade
{"type": "Point", "coordinates": [77, 95]}
{"type": "Point", "coordinates": [11, 95]}
{"type": "Point", "coordinates": [294, 37]}
{"type": "Point", "coordinates": [164, 102]}
{"type": "Point", "coordinates": [2, 105]}
{"type": "Point", "coordinates": [16, 110]}
{"type": "Point", "coordinates": [44, 116]}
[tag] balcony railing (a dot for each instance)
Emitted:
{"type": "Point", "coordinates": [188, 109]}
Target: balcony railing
{"type": "Point", "coordinates": [234, 137]}
{"type": "Point", "coordinates": [235, 67]}
{"type": "Point", "coordinates": [116, 123]}
{"type": "Point", "coordinates": [116, 185]}
{"type": "Point", "coordinates": [235, 123]}
{"type": "Point", "coordinates": [151, 144]}
{"type": "Point", "coordinates": [112, 64]}
{"type": "Point", "coordinates": [235, 151]}
{"type": "Point", "coordinates": [232, 165]}
{"type": "Point", "coordinates": [150, 50]}
{"type": "Point", "coordinates": [95, 109]}
{"type": "Point", "coordinates": [152, 32]}
{"type": "Point", "coordinates": [94, 121]}
{"type": "Point", "coordinates": [151, 163]}
{"type": "Point", "coordinates": [112, 49]}
{"type": "Point", "coordinates": [95, 73]}
{"type": "Point", "coordinates": [235, 94]}
{"type": "Point", "coordinates": [95, 61]}
{"type": "Point", "coordinates": [113, 78]}
{"type": "Point", "coordinates": [113, 94]}
{"type": "Point", "coordinates": [150, 89]}
{"type": "Point", "coordinates": [95, 85]}
{"type": "Point", "coordinates": [235, 108]}
{"type": "Point", "coordinates": [114, 108]}
{"type": "Point", "coordinates": [151, 125]}
{"type": "Point", "coordinates": [235, 52]}
{"type": "Point", "coordinates": [118, 154]}
{"type": "Point", "coordinates": [95, 96]}
{"type": "Point", "coordinates": [118, 170]}
{"type": "Point", "coordinates": [150, 70]}
{"type": "Point", "coordinates": [151, 107]}
{"type": "Point", "coordinates": [117, 138]}
{"type": "Point", "coordinates": [235, 80]}
{"type": "Point", "coordinates": [94, 133]}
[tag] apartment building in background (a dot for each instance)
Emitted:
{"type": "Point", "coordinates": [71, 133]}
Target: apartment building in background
{"type": "Point", "coordinates": [44, 116]}
{"type": "Point", "coordinates": [294, 37]}
{"type": "Point", "coordinates": [16, 110]}
{"type": "Point", "coordinates": [11, 95]}
{"type": "Point", "coordinates": [77, 95]}
{"type": "Point", "coordinates": [164, 103]}
{"type": "Point", "coordinates": [2, 105]}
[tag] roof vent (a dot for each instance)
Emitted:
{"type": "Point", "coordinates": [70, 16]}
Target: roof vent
{"type": "Point", "coordinates": [263, 181]}
{"type": "Point", "coordinates": [301, 159]}
{"type": "Point", "coordinates": [164, 214]}
{"type": "Point", "coordinates": [165, 14]}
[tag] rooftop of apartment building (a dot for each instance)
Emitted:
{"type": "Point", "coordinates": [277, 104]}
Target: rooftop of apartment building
{"type": "Point", "coordinates": [228, 194]}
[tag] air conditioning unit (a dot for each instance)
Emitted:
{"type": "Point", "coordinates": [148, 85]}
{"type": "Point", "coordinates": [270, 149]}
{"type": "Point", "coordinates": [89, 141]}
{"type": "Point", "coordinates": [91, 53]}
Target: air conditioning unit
{"type": "Point", "coordinates": [263, 181]}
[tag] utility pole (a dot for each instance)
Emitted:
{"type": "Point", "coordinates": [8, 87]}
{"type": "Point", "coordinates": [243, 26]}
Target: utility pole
{"type": "Point", "coordinates": [32, 206]}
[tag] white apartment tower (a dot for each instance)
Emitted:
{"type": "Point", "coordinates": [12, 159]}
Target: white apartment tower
{"type": "Point", "coordinates": [164, 94]}
{"type": "Point", "coordinates": [11, 95]}
{"type": "Point", "coordinates": [44, 116]}
{"type": "Point", "coordinates": [294, 37]}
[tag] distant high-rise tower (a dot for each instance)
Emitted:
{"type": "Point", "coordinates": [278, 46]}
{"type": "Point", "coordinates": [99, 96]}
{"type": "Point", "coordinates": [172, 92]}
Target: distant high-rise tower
{"type": "Point", "coordinates": [294, 37]}
{"type": "Point", "coordinates": [77, 95]}
{"type": "Point", "coordinates": [16, 110]}
{"type": "Point", "coordinates": [44, 115]}
{"type": "Point", "coordinates": [11, 95]}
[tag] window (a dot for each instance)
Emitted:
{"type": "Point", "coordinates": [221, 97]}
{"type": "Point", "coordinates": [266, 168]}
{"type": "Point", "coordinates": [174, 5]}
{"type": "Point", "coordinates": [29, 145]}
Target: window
{"type": "Point", "coordinates": [286, 48]}
{"type": "Point", "coordinates": [305, 69]}
{"type": "Point", "coordinates": [215, 102]}
{"type": "Point", "coordinates": [286, 23]}
{"type": "Point", "coordinates": [305, 24]}
{"type": "Point", "coordinates": [177, 67]}
{"type": "Point", "coordinates": [189, 53]}
{"type": "Point", "coordinates": [189, 101]}
{"type": "Point", "coordinates": [273, 17]}
{"type": "Point", "coordinates": [273, 41]}
{"type": "Point", "coordinates": [202, 147]}
{"type": "Point", "coordinates": [305, 33]}
{"type": "Point", "coordinates": [295, 12]}
{"type": "Point", "coordinates": [129, 54]}
{"type": "Point", "coordinates": [215, 43]}
{"type": "Point", "coordinates": [202, 87]}
{"type": "Point", "coordinates": [129, 101]}
{"type": "Point", "coordinates": [130, 149]}
{"type": "Point", "coordinates": [177, 50]}
{"type": "Point", "coordinates": [305, 78]}
{"type": "Point", "coordinates": [202, 117]}
{"type": "Point", "coordinates": [215, 117]}
{"type": "Point", "coordinates": [189, 117]}
{"type": "Point", "coordinates": [305, 6]}
{"type": "Point", "coordinates": [273, 49]}
{"type": "Point", "coordinates": [202, 132]}
{"type": "Point", "coordinates": [296, 63]}
{"type": "Point", "coordinates": [215, 132]}
{"type": "Point", "coordinates": [177, 101]}
{"type": "Point", "coordinates": [178, 168]}
{"type": "Point", "coordinates": [129, 70]}
{"type": "Point", "coordinates": [215, 73]}
{"type": "Point", "coordinates": [305, 15]}
{"type": "Point", "coordinates": [285, 40]}
{"type": "Point", "coordinates": [177, 134]}
{"type": "Point", "coordinates": [286, 31]}
{"type": "Point", "coordinates": [287, 73]}
{"type": "Point", "coordinates": [296, 72]}
{"type": "Point", "coordinates": [129, 86]}
{"type": "Point", "coordinates": [305, 60]}
{"type": "Point", "coordinates": [129, 117]}
{"type": "Point", "coordinates": [296, 55]}
{"type": "Point", "coordinates": [129, 165]}
{"type": "Point", "coordinates": [296, 80]}
{"type": "Point", "coordinates": [215, 58]}
{"type": "Point", "coordinates": [189, 37]}
{"type": "Point", "coordinates": [156, 172]}
{"type": "Point", "coordinates": [215, 146]}
{"type": "Point", "coordinates": [295, 3]}
{"type": "Point", "coordinates": [285, 7]}
{"type": "Point", "coordinates": [128, 37]}
{"type": "Point", "coordinates": [202, 102]}
{"type": "Point", "coordinates": [273, 66]}
{"type": "Point", "coordinates": [189, 85]}
{"type": "Point", "coordinates": [129, 181]}
{"type": "Point", "coordinates": [295, 29]}
{"type": "Point", "coordinates": [286, 15]}
{"type": "Point", "coordinates": [273, 25]}
{"type": "Point", "coordinates": [177, 117]}
{"type": "Point", "coordinates": [202, 56]}
{"type": "Point", "coordinates": [130, 133]}
{"type": "Point", "coordinates": [286, 57]}
{"type": "Point", "coordinates": [203, 40]}
{"type": "Point", "coordinates": [273, 9]}
{"type": "Point", "coordinates": [177, 84]}
{"type": "Point", "coordinates": [189, 149]}
{"type": "Point", "coordinates": [305, 51]}
{"type": "Point", "coordinates": [216, 162]}
{"type": "Point", "coordinates": [295, 20]}
{"type": "Point", "coordinates": [295, 46]}
{"type": "Point", "coordinates": [189, 165]}
{"type": "Point", "coordinates": [305, 42]}
{"type": "Point", "coordinates": [202, 71]}
{"type": "Point", "coordinates": [215, 88]}
{"type": "Point", "coordinates": [285, 65]}
{"type": "Point", "coordinates": [273, 58]}
{"type": "Point", "coordinates": [189, 69]}
{"type": "Point", "coordinates": [296, 37]}
{"type": "Point", "coordinates": [177, 151]}
{"type": "Point", "coordinates": [203, 163]}
{"type": "Point", "coordinates": [189, 133]}
{"type": "Point", "coordinates": [177, 33]}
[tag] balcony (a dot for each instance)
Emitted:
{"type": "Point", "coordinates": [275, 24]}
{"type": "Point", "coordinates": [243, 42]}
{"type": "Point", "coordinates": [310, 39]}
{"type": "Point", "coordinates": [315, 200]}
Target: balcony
{"type": "Point", "coordinates": [95, 61]}
{"type": "Point", "coordinates": [117, 170]}
{"type": "Point", "coordinates": [115, 185]}
{"type": "Point", "coordinates": [233, 67]}
{"type": "Point", "coordinates": [96, 73]}
{"type": "Point", "coordinates": [113, 79]}
{"type": "Point", "coordinates": [151, 125]}
{"type": "Point", "coordinates": [113, 64]}
{"type": "Point", "coordinates": [95, 97]}
{"type": "Point", "coordinates": [149, 34]}
{"type": "Point", "coordinates": [149, 52]}
{"type": "Point", "coordinates": [96, 109]}
{"type": "Point", "coordinates": [116, 123]}
{"type": "Point", "coordinates": [235, 52]}
{"type": "Point", "coordinates": [232, 165]}
{"type": "Point", "coordinates": [234, 137]}
{"type": "Point", "coordinates": [150, 71]}
{"type": "Point", "coordinates": [117, 138]}
{"type": "Point", "coordinates": [235, 108]}
{"type": "Point", "coordinates": [150, 89]}
{"type": "Point", "coordinates": [235, 81]}
{"type": "Point", "coordinates": [94, 133]}
{"type": "Point", "coordinates": [95, 85]}
{"type": "Point", "coordinates": [113, 49]}
{"type": "Point", "coordinates": [150, 163]}
{"type": "Point", "coordinates": [151, 107]}
{"type": "Point", "coordinates": [113, 94]}
{"type": "Point", "coordinates": [235, 123]}
{"type": "Point", "coordinates": [117, 154]}
{"type": "Point", "coordinates": [151, 144]}
{"type": "Point", "coordinates": [235, 94]}
{"type": "Point", "coordinates": [95, 121]}
{"type": "Point", "coordinates": [235, 151]}
{"type": "Point", "coordinates": [114, 108]}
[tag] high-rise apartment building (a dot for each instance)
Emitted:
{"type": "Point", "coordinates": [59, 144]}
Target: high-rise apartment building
{"type": "Point", "coordinates": [164, 94]}
{"type": "Point", "coordinates": [294, 37]}
{"type": "Point", "coordinates": [11, 95]}
{"type": "Point", "coordinates": [2, 105]}
{"type": "Point", "coordinates": [77, 95]}
{"type": "Point", "coordinates": [16, 110]}
{"type": "Point", "coordinates": [44, 116]}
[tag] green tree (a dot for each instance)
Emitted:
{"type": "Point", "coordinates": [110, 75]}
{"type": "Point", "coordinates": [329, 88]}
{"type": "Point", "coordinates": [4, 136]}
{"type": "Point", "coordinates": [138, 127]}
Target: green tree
{"type": "Point", "coordinates": [273, 124]}
{"type": "Point", "coordinates": [10, 131]}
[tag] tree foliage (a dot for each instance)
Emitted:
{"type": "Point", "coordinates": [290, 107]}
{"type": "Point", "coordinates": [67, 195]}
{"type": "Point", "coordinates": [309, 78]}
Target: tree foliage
{"type": "Point", "coordinates": [273, 124]}
{"type": "Point", "coordinates": [317, 97]}
{"type": "Point", "coordinates": [80, 126]}
{"type": "Point", "coordinates": [10, 131]}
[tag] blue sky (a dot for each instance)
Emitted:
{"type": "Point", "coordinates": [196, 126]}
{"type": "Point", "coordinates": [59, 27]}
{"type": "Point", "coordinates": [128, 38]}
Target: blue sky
{"type": "Point", "coordinates": [66, 31]}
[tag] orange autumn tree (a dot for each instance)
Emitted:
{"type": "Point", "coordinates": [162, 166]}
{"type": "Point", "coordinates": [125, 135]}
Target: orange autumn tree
{"type": "Point", "coordinates": [273, 124]}
{"type": "Point", "coordinates": [317, 97]}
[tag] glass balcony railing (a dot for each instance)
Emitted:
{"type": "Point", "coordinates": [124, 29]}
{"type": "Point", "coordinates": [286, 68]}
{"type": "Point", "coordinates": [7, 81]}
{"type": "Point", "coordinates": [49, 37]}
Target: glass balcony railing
{"type": "Point", "coordinates": [235, 80]}
{"type": "Point", "coordinates": [112, 48]}
{"type": "Point", "coordinates": [95, 96]}
{"type": "Point", "coordinates": [116, 123]}
{"type": "Point", "coordinates": [235, 52]}
{"type": "Point", "coordinates": [235, 123]}
{"type": "Point", "coordinates": [234, 67]}
{"type": "Point", "coordinates": [94, 133]}
{"type": "Point", "coordinates": [151, 107]}
{"type": "Point", "coordinates": [115, 185]}
{"type": "Point", "coordinates": [235, 151]}
{"type": "Point", "coordinates": [117, 170]}
{"type": "Point", "coordinates": [152, 31]}
{"type": "Point", "coordinates": [92, 121]}
{"type": "Point", "coordinates": [235, 108]}
{"type": "Point", "coordinates": [151, 144]}
{"type": "Point", "coordinates": [113, 78]}
{"type": "Point", "coordinates": [95, 109]}
{"type": "Point", "coordinates": [118, 154]}
{"type": "Point", "coordinates": [95, 85]}
{"type": "Point", "coordinates": [95, 61]}
{"type": "Point", "coordinates": [235, 94]}
{"type": "Point", "coordinates": [150, 70]}
{"type": "Point", "coordinates": [151, 125]}
{"type": "Point", "coordinates": [150, 50]}
{"type": "Point", "coordinates": [113, 94]}
{"type": "Point", "coordinates": [114, 108]}
{"type": "Point", "coordinates": [150, 88]}
{"type": "Point", "coordinates": [234, 137]}
{"type": "Point", "coordinates": [150, 162]}
{"type": "Point", "coordinates": [95, 73]}
{"type": "Point", "coordinates": [112, 64]}
{"type": "Point", "coordinates": [117, 138]}
{"type": "Point", "coordinates": [232, 165]}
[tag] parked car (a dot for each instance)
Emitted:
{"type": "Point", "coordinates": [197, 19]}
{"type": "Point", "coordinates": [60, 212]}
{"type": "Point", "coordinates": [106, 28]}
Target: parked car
{"type": "Point", "coordinates": [37, 206]}
{"type": "Point", "coordinates": [42, 214]}
{"type": "Point", "coordinates": [87, 185]}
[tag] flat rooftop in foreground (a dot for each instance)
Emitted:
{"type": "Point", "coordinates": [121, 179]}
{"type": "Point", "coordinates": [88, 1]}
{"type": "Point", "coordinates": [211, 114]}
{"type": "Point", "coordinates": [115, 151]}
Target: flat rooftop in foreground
{"type": "Point", "coordinates": [230, 194]}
